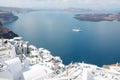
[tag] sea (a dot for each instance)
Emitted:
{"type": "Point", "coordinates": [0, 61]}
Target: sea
{"type": "Point", "coordinates": [97, 43]}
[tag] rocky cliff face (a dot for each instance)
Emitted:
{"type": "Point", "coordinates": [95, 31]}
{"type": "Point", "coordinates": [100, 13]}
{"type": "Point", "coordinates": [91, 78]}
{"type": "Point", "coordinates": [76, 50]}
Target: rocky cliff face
{"type": "Point", "coordinates": [6, 33]}
{"type": "Point", "coordinates": [6, 17]}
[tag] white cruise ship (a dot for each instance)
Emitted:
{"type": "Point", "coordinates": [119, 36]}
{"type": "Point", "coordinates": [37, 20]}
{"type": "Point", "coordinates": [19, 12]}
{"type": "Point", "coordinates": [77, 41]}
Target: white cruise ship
{"type": "Point", "coordinates": [76, 30]}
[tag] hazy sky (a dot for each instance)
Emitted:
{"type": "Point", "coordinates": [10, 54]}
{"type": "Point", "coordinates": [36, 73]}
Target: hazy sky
{"type": "Point", "coordinates": [96, 4]}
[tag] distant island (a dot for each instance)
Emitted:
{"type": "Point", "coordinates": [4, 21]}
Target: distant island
{"type": "Point", "coordinates": [16, 10]}
{"type": "Point", "coordinates": [69, 9]}
{"type": "Point", "coordinates": [98, 17]}
{"type": "Point", "coordinates": [77, 9]}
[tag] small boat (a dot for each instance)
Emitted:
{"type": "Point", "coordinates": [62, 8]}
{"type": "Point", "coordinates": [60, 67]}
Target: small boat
{"type": "Point", "coordinates": [76, 29]}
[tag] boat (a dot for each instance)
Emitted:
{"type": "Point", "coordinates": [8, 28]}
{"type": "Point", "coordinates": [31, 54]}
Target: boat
{"type": "Point", "coordinates": [76, 30]}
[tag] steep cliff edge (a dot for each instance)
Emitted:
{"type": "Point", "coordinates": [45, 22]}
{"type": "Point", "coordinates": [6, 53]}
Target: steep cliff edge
{"type": "Point", "coordinates": [7, 17]}
{"type": "Point", "coordinates": [6, 33]}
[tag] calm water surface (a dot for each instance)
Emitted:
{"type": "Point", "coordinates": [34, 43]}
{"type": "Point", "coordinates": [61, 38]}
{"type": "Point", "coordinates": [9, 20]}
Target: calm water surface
{"type": "Point", "coordinates": [98, 42]}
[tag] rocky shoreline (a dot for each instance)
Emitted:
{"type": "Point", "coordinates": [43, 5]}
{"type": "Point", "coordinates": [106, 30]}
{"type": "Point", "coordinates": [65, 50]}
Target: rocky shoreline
{"type": "Point", "coordinates": [6, 33]}
{"type": "Point", "coordinates": [98, 17]}
{"type": "Point", "coordinates": [7, 17]}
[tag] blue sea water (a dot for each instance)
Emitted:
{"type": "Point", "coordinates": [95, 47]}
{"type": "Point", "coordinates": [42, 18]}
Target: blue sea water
{"type": "Point", "coordinates": [98, 42]}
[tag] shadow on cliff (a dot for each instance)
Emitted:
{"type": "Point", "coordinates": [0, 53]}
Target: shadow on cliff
{"type": "Point", "coordinates": [6, 33]}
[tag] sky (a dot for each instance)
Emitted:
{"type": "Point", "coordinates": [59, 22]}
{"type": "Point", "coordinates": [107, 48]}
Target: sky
{"type": "Point", "coordinates": [94, 4]}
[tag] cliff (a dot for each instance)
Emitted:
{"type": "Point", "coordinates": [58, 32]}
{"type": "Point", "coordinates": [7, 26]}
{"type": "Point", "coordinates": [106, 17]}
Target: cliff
{"type": "Point", "coordinates": [6, 17]}
{"type": "Point", "coordinates": [98, 17]}
{"type": "Point", "coordinates": [6, 33]}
